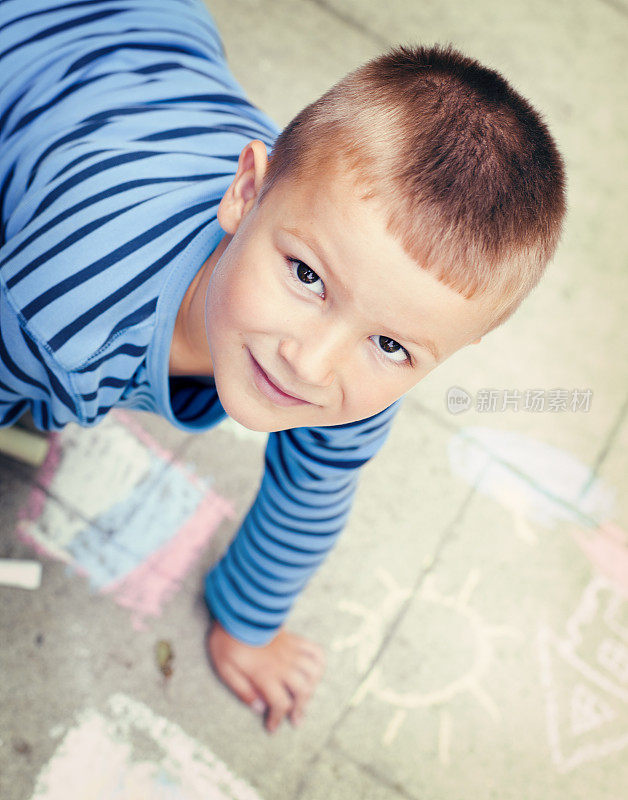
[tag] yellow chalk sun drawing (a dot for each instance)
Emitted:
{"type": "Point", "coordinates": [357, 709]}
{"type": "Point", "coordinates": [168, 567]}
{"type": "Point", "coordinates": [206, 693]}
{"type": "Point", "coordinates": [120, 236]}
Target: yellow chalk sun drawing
{"type": "Point", "coordinates": [472, 633]}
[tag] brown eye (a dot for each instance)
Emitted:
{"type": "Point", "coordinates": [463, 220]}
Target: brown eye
{"type": "Point", "coordinates": [389, 345]}
{"type": "Point", "coordinates": [392, 350]}
{"type": "Point", "coordinates": [305, 276]}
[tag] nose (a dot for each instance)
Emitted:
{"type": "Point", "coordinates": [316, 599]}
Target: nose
{"type": "Point", "coordinates": [314, 357]}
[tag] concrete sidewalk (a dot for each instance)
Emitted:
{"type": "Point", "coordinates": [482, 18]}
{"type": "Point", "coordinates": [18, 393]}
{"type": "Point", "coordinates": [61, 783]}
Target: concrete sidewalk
{"type": "Point", "coordinates": [474, 613]}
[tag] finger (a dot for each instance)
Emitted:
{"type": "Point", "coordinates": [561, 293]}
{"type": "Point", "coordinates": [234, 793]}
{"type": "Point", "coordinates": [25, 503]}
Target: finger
{"type": "Point", "coordinates": [279, 703]}
{"type": "Point", "coordinates": [242, 687]}
{"type": "Point", "coordinates": [313, 670]}
{"type": "Point", "coordinates": [301, 688]}
{"type": "Point", "coordinates": [313, 651]}
{"type": "Point", "coordinates": [310, 667]}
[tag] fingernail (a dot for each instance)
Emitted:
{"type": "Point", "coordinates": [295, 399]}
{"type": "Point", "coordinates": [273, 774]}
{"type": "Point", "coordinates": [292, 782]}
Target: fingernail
{"type": "Point", "coordinates": [258, 706]}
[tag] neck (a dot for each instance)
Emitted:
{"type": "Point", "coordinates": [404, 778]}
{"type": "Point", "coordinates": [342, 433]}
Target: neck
{"type": "Point", "coordinates": [189, 350]}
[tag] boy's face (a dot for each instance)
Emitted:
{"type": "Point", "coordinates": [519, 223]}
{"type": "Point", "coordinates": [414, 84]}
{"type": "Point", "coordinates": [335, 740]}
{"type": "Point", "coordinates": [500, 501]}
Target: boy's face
{"type": "Point", "coordinates": [311, 293]}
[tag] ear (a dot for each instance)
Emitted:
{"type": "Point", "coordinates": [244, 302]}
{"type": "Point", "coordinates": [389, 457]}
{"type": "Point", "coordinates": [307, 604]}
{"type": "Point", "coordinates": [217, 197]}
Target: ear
{"type": "Point", "coordinates": [242, 193]}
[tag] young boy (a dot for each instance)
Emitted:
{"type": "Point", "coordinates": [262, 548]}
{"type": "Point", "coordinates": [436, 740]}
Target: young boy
{"type": "Point", "coordinates": [153, 257]}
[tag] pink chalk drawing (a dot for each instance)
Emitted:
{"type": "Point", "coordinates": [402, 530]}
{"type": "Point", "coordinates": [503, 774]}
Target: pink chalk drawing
{"type": "Point", "coordinates": [607, 549]}
{"type": "Point", "coordinates": [146, 589]}
{"type": "Point", "coordinates": [118, 508]}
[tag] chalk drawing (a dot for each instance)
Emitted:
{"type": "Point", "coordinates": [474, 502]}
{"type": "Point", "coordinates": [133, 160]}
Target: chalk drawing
{"type": "Point", "coordinates": [606, 547]}
{"type": "Point", "coordinates": [393, 727]}
{"type": "Point", "coordinates": [588, 710]}
{"type": "Point", "coordinates": [542, 483]}
{"type": "Point", "coordinates": [130, 753]}
{"type": "Point", "coordinates": [584, 675]}
{"type": "Point", "coordinates": [444, 739]}
{"type": "Point", "coordinates": [368, 637]}
{"type": "Point", "coordinates": [119, 509]}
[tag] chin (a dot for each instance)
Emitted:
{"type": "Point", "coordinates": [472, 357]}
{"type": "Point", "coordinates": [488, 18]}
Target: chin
{"type": "Point", "coordinates": [254, 423]}
{"type": "Point", "coordinates": [249, 417]}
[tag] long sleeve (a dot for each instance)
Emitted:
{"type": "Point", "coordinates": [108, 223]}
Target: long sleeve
{"type": "Point", "coordinates": [306, 494]}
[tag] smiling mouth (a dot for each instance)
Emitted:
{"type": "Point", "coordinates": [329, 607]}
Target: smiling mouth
{"type": "Point", "coordinates": [271, 390]}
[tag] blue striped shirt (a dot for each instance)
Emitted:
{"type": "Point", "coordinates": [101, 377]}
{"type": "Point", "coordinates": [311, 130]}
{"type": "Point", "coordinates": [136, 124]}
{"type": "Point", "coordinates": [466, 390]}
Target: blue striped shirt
{"type": "Point", "coordinates": [120, 130]}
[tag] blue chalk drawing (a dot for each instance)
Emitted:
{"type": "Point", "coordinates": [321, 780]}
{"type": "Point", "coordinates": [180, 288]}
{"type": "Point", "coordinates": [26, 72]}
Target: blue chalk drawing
{"type": "Point", "coordinates": [546, 483]}
{"type": "Point", "coordinates": [129, 532]}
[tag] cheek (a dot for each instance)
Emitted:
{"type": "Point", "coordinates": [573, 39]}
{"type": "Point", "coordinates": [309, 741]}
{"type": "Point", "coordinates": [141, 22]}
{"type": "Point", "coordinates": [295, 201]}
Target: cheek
{"type": "Point", "coordinates": [240, 297]}
{"type": "Point", "coordinates": [254, 307]}
{"type": "Point", "coordinates": [375, 388]}
{"type": "Point", "coordinates": [220, 302]}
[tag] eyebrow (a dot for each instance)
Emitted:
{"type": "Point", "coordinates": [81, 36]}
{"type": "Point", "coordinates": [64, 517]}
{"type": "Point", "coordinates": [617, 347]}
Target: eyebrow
{"type": "Point", "coordinates": [428, 344]}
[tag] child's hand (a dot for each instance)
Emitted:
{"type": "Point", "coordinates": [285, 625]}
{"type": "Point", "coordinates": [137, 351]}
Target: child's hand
{"type": "Point", "coordinates": [278, 678]}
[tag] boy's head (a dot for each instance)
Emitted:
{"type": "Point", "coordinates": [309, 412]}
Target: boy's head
{"type": "Point", "coordinates": [469, 175]}
{"type": "Point", "coordinates": [419, 199]}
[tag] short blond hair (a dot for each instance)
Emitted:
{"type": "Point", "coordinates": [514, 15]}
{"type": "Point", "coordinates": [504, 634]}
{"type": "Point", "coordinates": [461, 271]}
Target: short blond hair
{"type": "Point", "coordinates": [470, 177]}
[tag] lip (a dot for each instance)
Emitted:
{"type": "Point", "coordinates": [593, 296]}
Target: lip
{"type": "Point", "coordinates": [271, 390]}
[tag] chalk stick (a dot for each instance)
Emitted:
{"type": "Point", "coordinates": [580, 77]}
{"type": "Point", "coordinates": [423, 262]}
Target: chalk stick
{"type": "Point", "coordinates": [23, 445]}
{"type": "Point", "coordinates": [20, 573]}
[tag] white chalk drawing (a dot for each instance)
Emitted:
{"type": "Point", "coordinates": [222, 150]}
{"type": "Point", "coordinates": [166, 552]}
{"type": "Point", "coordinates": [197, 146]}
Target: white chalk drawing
{"type": "Point", "coordinates": [367, 639]}
{"type": "Point", "coordinates": [444, 738]}
{"type": "Point", "coordinates": [613, 656]}
{"type": "Point", "coordinates": [130, 753]}
{"type": "Point", "coordinates": [584, 675]}
{"type": "Point", "coordinates": [367, 636]}
{"type": "Point", "coordinates": [588, 710]}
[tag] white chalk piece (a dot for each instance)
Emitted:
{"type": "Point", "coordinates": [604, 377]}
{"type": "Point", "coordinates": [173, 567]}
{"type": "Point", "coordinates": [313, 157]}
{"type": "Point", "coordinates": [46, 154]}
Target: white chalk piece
{"type": "Point", "coordinates": [24, 445]}
{"type": "Point", "coordinates": [20, 573]}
